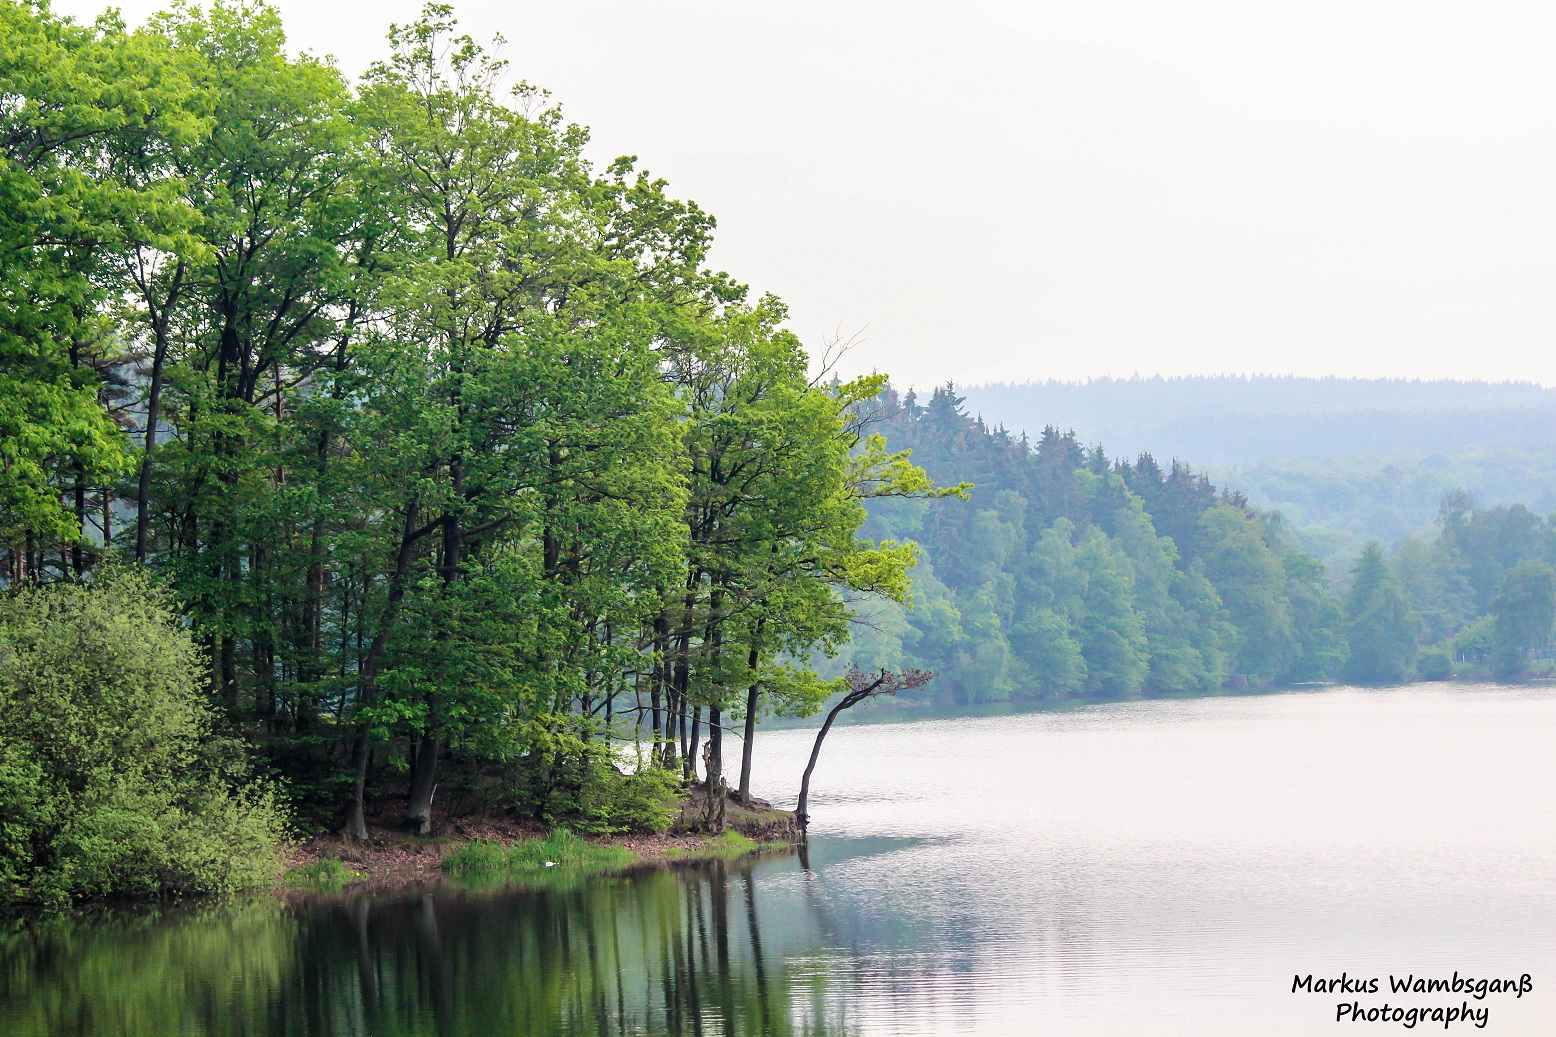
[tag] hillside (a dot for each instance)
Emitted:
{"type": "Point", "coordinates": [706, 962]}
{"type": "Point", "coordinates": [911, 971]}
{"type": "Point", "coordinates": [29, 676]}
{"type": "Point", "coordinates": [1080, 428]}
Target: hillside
{"type": "Point", "coordinates": [1230, 420]}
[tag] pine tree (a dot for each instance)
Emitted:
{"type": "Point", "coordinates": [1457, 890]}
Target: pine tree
{"type": "Point", "coordinates": [1381, 629]}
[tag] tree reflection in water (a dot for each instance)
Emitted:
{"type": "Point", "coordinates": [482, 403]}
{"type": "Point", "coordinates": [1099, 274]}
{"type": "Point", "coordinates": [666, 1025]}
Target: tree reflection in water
{"type": "Point", "coordinates": [669, 951]}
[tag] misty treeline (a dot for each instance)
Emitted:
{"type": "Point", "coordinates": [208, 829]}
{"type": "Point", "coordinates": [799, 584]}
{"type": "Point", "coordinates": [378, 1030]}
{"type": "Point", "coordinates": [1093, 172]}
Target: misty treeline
{"type": "Point", "coordinates": [458, 465]}
{"type": "Point", "coordinates": [1073, 574]}
{"type": "Point", "coordinates": [1481, 590]}
{"type": "Point", "coordinates": [1337, 504]}
{"type": "Point", "coordinates": [1226, 420]}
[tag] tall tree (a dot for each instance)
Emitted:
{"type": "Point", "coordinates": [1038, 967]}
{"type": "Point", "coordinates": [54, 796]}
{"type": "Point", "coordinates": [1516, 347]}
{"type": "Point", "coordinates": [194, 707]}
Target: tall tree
{"type": "Point", "coordinates": [1381, 630]}
{"type": "Point", "coordinates": [75, 97]}
{"type": "Point", "coordinates": [1525, 610]}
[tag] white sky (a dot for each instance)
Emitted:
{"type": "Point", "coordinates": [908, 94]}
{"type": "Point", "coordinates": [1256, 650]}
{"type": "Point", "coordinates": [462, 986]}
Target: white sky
{"type": "Point", "coordinates": [1012, 191]}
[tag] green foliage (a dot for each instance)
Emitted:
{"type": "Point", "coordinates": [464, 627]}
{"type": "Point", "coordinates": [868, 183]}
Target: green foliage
{"type": "Point", "coordinates": [1434, 664]}
{"type": "Point", "coordinates": [1476, 642]}
{"type": "Point", "coordinates": [1337, 503]}
{"type": "Point", "coordinates": [325, 875]}
{"type": "Point", "coordinates": [1054, 663]}
{"type": "Point", "coordinates": [1071, 574]}
{"type": "Point", "coordinates": [560, 854]}
{"type": "Point", "coordinates": [1250, 578]}
{"type": "Point", "coordinates": [1317, 620]}
{"type": "Point", "coordinates": [1382, 631]}
{"type": "Point", "coordinates": [452, 444]}
{"type": "Point", "coordinates": [563, 778]}
{"type": "Point", "coordinates": [112, 782]}
{"type": "Point", "coordinates": [1112, 634]}
{"type": "Point", "coordinates": [1524, 607]}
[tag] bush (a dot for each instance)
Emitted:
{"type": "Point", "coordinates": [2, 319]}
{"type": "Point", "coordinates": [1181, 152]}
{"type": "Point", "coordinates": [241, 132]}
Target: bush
{"type": "Point", "coordinates": [111, 781]}
{"type": "Point", "coordinates": [565, 779]}
{"type": "Point", "coordinates": [1434, 664]}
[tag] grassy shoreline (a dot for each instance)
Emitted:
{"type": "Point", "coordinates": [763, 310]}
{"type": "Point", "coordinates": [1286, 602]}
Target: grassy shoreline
{"type": "Point", "coordinates": [488, 852]}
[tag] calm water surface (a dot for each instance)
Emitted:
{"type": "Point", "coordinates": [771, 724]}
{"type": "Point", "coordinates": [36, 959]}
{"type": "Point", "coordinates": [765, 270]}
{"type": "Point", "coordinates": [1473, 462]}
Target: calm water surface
{"type": "Point", "coordinates": [1141, 868]}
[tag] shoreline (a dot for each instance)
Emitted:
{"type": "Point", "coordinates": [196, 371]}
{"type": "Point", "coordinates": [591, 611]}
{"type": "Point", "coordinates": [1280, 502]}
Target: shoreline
{"type": "Point", "coordinates": [392, 859]}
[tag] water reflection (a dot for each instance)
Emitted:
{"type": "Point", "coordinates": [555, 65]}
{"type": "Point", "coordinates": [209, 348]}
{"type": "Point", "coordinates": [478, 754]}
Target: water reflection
{"type": "Point", "coordinates": [692, 950]}
{"type": "Point", "coordinates": [1151, 867]}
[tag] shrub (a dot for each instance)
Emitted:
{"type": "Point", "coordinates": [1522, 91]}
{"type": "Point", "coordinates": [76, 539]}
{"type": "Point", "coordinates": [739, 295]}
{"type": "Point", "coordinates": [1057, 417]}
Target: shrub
{"type": "Point", "coordinates": [112, 782]}
{"type": "Point", "coordinates": [1434, 664]}
{"type": "Point", "coordinates": [572, 781]}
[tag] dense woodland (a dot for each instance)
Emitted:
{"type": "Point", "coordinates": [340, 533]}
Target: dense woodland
{"type": "Point", "coordinates": [1335, 505]}
{"type": "Point", "coordinates": [1070, 573]}
{"type": "Point", "coordinates": [436, 458]}
{"type": "Point", "coordinates": [1073, 574]}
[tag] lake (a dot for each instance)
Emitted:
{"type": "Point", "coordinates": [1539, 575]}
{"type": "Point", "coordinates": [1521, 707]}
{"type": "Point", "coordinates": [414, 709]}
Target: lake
{"type": "Point", "coordinates": [1156, 867]}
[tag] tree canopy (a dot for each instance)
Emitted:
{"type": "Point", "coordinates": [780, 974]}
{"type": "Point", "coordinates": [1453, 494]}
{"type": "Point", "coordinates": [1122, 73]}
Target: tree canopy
{"type": "Point", "coordinates": [447, 443]}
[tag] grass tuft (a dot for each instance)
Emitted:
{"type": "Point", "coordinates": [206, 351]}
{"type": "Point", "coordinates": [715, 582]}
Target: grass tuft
{"type": "Point", "coordinates": [327, 875]}
{"type": "Point", "coordinates": [559, 854]}
{"type": "Point", "coordinates": [726, 846]}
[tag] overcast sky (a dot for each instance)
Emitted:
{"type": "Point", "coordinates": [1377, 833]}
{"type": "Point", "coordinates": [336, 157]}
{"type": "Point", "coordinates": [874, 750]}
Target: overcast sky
{"type": "Point", "coordinates": [1012, 191]}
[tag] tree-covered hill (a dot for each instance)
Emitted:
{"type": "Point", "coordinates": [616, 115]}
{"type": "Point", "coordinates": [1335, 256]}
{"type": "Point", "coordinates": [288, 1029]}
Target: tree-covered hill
{"type": "Point", "coordinates": [1069, 573]}
{"type": "Point", "coordinates": [1335, 505]}
{"type": "Point", "coordinates": [1226, 420]}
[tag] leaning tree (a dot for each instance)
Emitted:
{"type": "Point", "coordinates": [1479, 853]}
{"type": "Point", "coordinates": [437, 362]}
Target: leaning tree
{"type": "Point", "coordinates": [860, 686]}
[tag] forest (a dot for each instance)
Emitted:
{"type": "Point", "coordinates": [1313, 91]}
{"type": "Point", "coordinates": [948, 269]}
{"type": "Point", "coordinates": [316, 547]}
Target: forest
{"type": "Point", "coordinates": [1073, 575]}
{"type": "Point", "coordinates": [366, 438]}
{"type": "Point", "coordinates": [1335, 505]}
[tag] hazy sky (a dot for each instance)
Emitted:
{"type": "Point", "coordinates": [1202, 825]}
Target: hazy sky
{"type": "Point", "coordinates": [1011, 191]}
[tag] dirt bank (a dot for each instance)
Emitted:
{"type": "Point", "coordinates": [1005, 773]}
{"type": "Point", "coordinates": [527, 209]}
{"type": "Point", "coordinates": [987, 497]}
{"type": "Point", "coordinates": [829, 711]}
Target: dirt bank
{"type": "Point", "coordinates": [392, 858]}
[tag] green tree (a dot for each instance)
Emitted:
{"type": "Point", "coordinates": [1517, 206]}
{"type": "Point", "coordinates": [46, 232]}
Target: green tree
{"type": "Point", "coordinates": [1525, 609]}
{"type": "Point", "coordinates": [1250, 580]}
{"type": "Point", "coordinates": [1381, 630]}
{"type": "Point", "coordinates": [1051, 659]}
{"type": "Point", "coordinates": [1112, 635]}
{"type": "Point", "coordinates": [1316, 620]}
{"type": "Point", "coordinates": [76, 98]}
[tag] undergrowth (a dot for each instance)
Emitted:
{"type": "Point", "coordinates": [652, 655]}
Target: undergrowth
{"type": "Point", "coordinates": [327, 875]}
{"type": "Point", "coordinates": [559, 853]}
{"type": "Point", "coordinates": [726, 846]}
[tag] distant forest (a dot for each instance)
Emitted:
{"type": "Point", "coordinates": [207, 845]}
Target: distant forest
{"type": "Point", "coordinates": [1068, 574]}
{"type": "Point", "coordinates": [1228, 420]}
{"type": "Point", "coordinates": [1071, 573]}
{"type": "Point", "coordinates": [1336, 505]}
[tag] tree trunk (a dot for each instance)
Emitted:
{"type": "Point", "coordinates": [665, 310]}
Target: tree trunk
{"type": "Point", "coordinates": [718, 790]}
{"type": "Point", "coordinates": [658, 679]}
{"type": "Point", "coordinates": [356, 826]}
{"type": "Point", "coordinates": [356, 817]}
{"type": "Point", "coordinates": [424, 771]}
{"type": "Point", "coordinates": [143, 489]}
{"type": "Point", "coordinates": [690, 763]}
{"type": "Point", "coordinates": [750, 732]}
{"type": "Point", "coordinates": [159, 326]}
{"type": "Point", "coordinates": [418, 809]}
{"type": "Point", "coordinates": [77, 555]}
{"type": "Point", "coordinates": [800, 814]}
